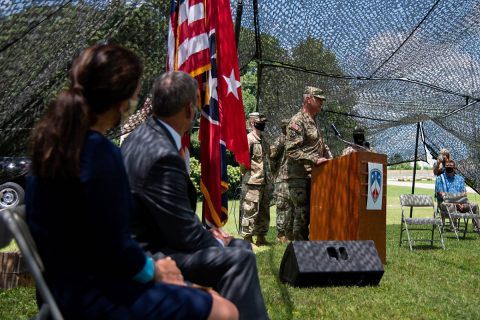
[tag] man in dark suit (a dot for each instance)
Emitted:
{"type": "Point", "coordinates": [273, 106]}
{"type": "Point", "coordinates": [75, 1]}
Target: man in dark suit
{"type": "Point", "coordinates": [166, 222]}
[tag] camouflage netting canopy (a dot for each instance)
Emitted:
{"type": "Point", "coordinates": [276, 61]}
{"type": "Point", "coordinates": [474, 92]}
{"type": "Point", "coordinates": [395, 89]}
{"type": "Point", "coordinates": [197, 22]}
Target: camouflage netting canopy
{"type": "Point", "coordinates": [404, 70]}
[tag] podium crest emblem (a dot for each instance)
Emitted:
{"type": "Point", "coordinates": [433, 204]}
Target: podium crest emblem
{"type": "Point", "coordinates": [375, 184]}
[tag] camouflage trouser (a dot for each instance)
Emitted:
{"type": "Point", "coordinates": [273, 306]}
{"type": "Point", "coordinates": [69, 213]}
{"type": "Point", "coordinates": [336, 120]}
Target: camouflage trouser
{"type": "Point", "coordinates": [299, 193]}
{"type": "Point", "coordinates": [284, 209]}
{"type": "Point", "coordinates": [256, 210]}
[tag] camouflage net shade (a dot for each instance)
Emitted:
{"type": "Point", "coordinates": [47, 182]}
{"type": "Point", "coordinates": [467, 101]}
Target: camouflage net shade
{"type": "Point", "coordinates": [406, 71]}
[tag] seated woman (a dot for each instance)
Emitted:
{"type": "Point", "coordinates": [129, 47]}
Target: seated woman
{"type": "Point", "coordinates": [79, 202]}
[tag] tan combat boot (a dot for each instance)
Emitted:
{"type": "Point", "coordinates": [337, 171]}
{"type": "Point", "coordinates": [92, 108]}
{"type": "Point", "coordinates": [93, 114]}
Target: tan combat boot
{"type": "Point", "coordinates": [248, 239]}
{"type": "Point", "coordinates": [261, 241]}
{"type": "Point", "coordinates": [281, 238]}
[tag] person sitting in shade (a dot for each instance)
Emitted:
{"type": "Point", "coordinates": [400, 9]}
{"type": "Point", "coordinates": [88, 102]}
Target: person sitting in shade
{"type": "Point", "coordinates": [360, 143]}
{"type": "Point", "coordinates": [449, 185]}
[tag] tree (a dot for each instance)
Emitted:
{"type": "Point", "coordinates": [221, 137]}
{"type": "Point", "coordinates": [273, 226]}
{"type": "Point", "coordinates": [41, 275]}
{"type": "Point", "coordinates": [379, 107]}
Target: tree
{"type": "Point", "coordinates": [39, 43]}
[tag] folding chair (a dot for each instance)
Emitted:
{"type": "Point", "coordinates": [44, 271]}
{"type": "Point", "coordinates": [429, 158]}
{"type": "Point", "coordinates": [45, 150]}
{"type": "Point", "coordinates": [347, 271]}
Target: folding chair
{"type": "Point", "coordinates": [12, 219]}
{"type": "Point", "coordinates": [419, 200]}
{"type": "Point", "coordinates": [458, 220]}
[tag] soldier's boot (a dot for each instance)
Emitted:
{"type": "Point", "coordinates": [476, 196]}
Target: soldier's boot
{"type": "Point", "coordinates": [261, 241]}
{"type": "Point", "coordinates": [248, 238]}
{"type": "Point", "coordinates": [298, 236]}
{"type": "Point", "coordinates": [289, 236]}
{"type": "Point", "coordinates": [281, 238]}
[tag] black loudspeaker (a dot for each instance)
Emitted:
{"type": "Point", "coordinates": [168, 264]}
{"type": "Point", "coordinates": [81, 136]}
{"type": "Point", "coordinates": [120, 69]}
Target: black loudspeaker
{"type": "Point", "coordinates": [331, 263]}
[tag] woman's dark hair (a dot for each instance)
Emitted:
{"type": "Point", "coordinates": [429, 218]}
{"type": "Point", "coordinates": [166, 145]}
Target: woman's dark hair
{"type": "Point", "coordinates": [100, 78]}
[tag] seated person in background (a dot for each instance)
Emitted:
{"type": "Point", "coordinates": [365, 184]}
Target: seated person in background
{"type": "Point", "coordinates": [166, 199]}
{"type": "Point", "coordinates": [442, 159]}
{"type": "Point", "coordinates": [451, 185]}
{"type": "Point", "coordinates": [360, 143]}
{"type": "Point", "coordinates": [93, 267]}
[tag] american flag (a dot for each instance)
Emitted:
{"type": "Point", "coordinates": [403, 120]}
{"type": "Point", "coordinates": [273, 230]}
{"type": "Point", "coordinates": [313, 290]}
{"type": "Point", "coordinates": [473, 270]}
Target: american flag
{"type": "Point", "coordinates": [188, 44]}
{"type": "Point", "coordinates": [201, 43]}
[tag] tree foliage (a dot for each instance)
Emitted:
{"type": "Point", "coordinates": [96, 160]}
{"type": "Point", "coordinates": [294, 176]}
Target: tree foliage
{"type": "Point", "coordinates": [39, 44]}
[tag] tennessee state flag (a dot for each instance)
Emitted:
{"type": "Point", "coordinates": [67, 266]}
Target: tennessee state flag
{"type": "Point", "coordinates": [201, 42]}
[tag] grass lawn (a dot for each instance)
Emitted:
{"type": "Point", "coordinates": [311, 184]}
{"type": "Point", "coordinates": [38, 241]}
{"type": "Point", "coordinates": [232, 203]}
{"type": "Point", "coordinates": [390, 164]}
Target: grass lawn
{"type": "Point", "coordinates": [428, 283]}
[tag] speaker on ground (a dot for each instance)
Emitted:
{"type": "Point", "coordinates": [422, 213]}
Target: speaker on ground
{"type": "Point", "coordinates": [330, 263]}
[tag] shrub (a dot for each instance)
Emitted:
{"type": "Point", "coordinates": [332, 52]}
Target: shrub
{"type": "Point", "coordinates": [233, 173]}
{"type": "Point", "coordinates": [196, 175]}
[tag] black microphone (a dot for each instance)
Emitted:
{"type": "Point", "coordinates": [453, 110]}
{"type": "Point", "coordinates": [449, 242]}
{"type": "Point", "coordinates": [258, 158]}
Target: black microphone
{"type": "Point", "coordinates": [335, 130]}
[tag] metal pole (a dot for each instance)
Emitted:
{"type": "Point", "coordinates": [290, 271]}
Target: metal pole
{"type": "Point", "coordinates": [238, 21]}
{"type": "Point", "coordinates": [415, 164]}
{"type": "Point", "coordinates": [256, 24]}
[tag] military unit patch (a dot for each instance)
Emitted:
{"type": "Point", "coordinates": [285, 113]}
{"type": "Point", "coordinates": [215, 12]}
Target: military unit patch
{"type": "Point", "coordinates": [294, 127]}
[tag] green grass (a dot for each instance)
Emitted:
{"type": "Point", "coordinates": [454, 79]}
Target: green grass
{"type": "Point", "coordinates": [428, 283]}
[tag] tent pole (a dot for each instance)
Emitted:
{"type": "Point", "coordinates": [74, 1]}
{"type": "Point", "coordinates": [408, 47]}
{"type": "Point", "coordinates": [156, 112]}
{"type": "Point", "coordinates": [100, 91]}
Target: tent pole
{"type": "Point", "coordinates": [238, 21]}
{"type": "Point", "coordinates": [415, 164]}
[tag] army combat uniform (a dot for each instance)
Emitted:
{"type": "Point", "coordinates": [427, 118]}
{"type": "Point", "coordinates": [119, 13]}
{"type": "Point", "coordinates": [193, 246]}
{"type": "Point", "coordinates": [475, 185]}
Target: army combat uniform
{"type": "Point", "coordinates": [256, 203]}
{"type": "Point", "coordinates": [284, 204]}
{"type": "Point", "coordinates": [359, 145]}
{"type": "Point", "coordinates": [351, 149]}
{"type": "Point", "coordinates": [305, 146]}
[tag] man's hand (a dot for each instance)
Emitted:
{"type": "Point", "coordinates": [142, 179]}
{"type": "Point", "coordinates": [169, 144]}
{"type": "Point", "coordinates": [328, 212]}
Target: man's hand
{"type": "Point", "coordinates": [321, 160]}
{"type": "Point", "coordinates": [166, 270]}
{"type": "Point", "coordinates": [221, 235]}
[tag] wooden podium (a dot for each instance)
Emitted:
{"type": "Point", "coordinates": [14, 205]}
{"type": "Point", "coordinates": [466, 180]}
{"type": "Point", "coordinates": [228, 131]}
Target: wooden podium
{"type": "Point", "coordinates": [338, 201]}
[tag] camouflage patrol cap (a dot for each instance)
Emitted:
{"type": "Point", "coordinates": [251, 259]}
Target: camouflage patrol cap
{"type": "Point", "coordinates": [257, 117]}
{"type": "Point", "coordinates": [316, 92]}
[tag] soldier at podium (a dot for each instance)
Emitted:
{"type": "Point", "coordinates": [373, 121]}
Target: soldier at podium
{"type": "Point", "coordinates": [305, 148]}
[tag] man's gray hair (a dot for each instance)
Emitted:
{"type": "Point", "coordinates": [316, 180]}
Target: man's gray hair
{"type": "Point", "coordinates": [171, 92]}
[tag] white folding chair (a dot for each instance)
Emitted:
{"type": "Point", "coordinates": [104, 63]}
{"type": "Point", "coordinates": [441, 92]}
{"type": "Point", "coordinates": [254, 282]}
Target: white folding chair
{"type": "Point", "coordinates": [12, 220]}
{"type": "Point", "coordinates": [459, 220]}
{"type": "Point", "coordinates": [408, 201]}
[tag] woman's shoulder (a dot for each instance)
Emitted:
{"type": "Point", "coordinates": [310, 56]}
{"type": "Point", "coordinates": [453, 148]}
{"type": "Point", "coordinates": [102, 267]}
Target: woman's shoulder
{"type": "Point", "coordinates": [99, 152]}
{"type": "Point", "coordinates": [98, 143]}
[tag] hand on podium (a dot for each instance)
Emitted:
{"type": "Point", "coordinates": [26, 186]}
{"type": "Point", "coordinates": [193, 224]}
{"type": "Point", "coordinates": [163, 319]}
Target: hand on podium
{"type": "Point", "coordinates": [321, 160]}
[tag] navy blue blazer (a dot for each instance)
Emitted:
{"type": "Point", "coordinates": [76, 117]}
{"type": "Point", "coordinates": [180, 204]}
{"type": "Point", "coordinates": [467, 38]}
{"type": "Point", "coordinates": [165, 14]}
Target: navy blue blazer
{"type": "Point", "coordinates": [82, 233]}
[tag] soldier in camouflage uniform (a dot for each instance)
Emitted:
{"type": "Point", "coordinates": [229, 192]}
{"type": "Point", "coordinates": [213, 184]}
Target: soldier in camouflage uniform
{"type": "Point", "coordinates": [305, 147]}
{"type": "Point", "coordinates": [278, 160]}
{"type": "Point", "coordinates": [256, 202]}
{"type": "Point", "coordinates": [360, 143]}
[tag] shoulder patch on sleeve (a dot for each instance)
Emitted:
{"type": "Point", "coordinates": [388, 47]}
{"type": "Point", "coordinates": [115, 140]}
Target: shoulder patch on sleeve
{"type": "Point", "coordinates": [294, 127]}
